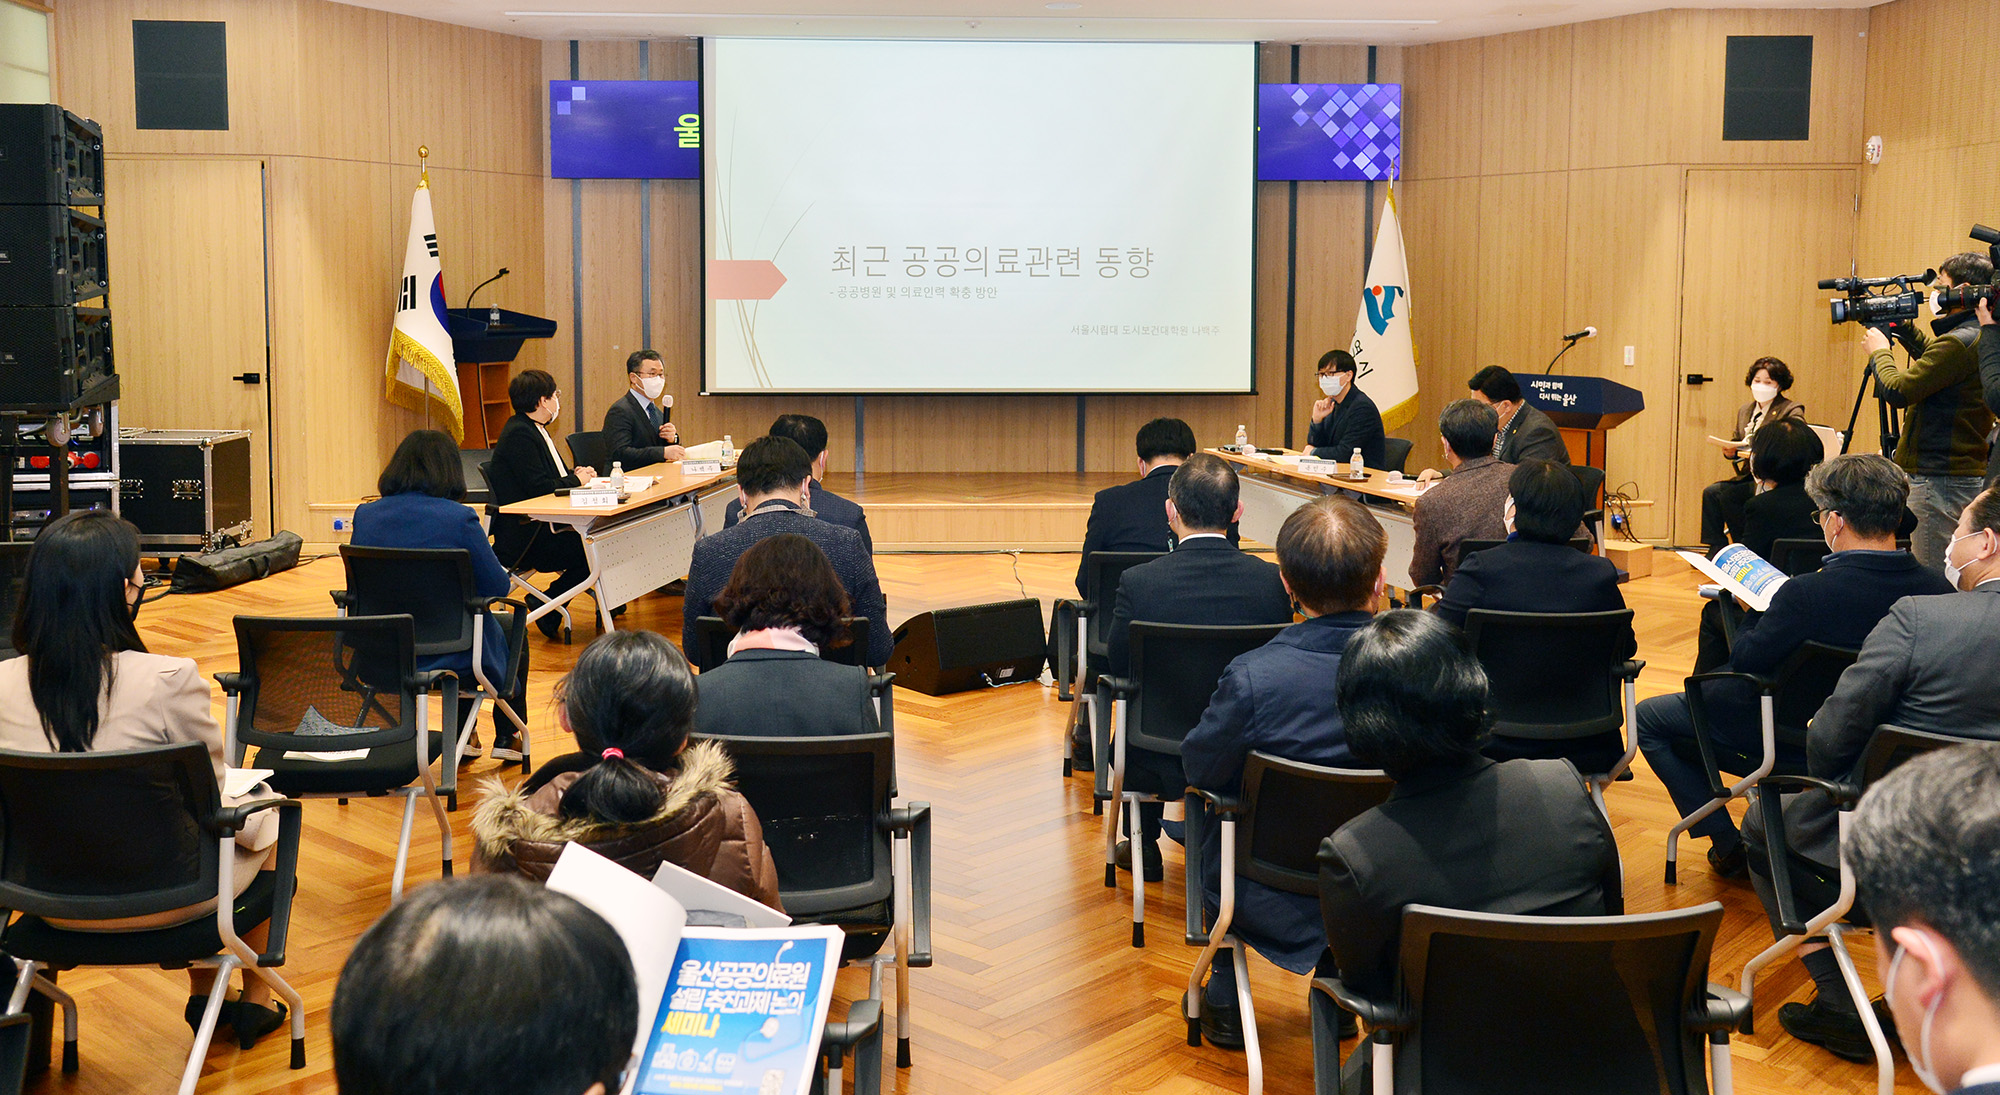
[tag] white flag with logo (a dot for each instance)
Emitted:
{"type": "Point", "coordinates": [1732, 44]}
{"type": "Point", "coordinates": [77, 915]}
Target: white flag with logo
{"type": "Point", "coordinates": [1385, 355]}
{"type": "Point", "coordinates": [421, 373]}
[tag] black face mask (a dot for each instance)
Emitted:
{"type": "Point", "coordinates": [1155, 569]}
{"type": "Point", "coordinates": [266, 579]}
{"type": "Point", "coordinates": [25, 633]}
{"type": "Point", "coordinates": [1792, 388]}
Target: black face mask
{"type": "Point", "coordinates": [137, 603]}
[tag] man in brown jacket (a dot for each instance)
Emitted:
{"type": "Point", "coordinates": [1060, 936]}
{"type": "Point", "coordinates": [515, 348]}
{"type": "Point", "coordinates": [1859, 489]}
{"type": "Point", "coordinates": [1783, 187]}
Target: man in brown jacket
{"type": "Point", "coordinates": [1468, 504]}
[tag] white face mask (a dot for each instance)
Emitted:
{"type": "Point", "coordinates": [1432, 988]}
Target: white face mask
{"type": "Point", "coordinates": [1332, 383]}
{"type": "Point", "coordinates": [1954, 571]}
{"type": "Point", "coordinates": [652, 386]}
{"type": "Point", "coordinates": [1763, 393]}
{"type": "Point", "coordinates": [1507, 515]}
{"type": "Point", "coordinates": [1937, 309]}
{"type": "Point", "coordinates": [1920, 1061]}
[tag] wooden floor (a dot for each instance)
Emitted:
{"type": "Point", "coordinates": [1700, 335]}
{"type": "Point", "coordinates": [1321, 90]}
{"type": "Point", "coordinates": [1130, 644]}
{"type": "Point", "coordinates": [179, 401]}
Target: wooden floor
{"type": "Point", "coordinates": [1036, 988]}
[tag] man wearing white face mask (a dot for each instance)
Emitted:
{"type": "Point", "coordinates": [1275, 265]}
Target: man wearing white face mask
{"type": "Point", "coordinates": [1927, 666]}
{"type": "Point", "coordinates": [1927, 869]}
{"type": "Point", "coordinates": [636, 430]}
{"type": "Point", "coordinates": [1943, 446]}
{"type": "Point", "coordinates": [1344, 419]}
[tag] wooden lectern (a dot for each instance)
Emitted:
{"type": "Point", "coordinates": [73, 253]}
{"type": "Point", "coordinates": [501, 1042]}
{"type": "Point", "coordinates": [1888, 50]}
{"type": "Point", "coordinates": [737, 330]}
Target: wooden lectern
{"type": "Point", "coordinates": [485, 351]}
{"type": "Point", "coordinates": [1583, 408]}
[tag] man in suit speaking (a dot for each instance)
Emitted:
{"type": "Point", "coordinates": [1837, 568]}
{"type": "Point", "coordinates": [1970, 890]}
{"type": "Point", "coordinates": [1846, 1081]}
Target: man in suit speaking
{"type": "Point", "coordinates": [636, 430]}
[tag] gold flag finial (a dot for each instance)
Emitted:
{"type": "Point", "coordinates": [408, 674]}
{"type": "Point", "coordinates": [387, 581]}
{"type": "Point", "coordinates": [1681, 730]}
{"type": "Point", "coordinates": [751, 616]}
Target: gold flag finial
{"type": "Point", "coordinates": [423, 166]}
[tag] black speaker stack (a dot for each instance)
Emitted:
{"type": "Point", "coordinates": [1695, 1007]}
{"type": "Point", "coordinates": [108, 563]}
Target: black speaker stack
{"type": "Point", "coordinates": [58, 384]}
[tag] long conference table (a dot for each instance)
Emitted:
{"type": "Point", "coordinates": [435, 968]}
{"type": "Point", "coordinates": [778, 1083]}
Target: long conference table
{"type": "Point", "coordinates": [639, 544]}
{"type": "Point", "coordinates": [1273, 486]}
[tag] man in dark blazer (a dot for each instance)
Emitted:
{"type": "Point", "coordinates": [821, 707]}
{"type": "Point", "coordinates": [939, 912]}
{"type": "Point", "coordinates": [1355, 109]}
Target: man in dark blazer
{"type": "Point", "coordinates": [773, 477]}
{"type": "Point", "coordinates": [1921, 847]}
{"type": "Point", "coordinates": [1470, 504]}
{"type": "Point", "coordinates": [810, 433]}
{"type": "Point", "coordinates": [1344, 418]}
{"type": "Point", "coordinates": [1927, 666]}
{"type": "Point", "coordinates": [1204, 580]}
{"type": "Point", "coordinates": [1860, 498]}
{"type": "Point", "coordinates": [1523, 432]}
{"type": "Point", "coordinates": [526, 464]}
{"type": "Point", "coordinates": [1133, 516]}
{"type": "Point", "coordinates": [636, 431]}
{"type": "Point", "coordinates": [1278, 699]}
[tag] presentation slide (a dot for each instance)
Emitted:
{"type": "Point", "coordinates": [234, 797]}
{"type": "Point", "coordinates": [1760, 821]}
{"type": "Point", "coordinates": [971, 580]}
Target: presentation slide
{"type": "Point", "coordinates": [978, 216]}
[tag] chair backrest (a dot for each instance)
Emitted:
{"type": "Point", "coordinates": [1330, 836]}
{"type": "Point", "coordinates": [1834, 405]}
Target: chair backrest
{"type": "Point", "coordinates": [486, 480]}
{"type": "Point", "coordinates": [589, 448]}
{"type": "Point", "coordinates": [1603, 1001]}
{"type": "Point", "coordinates": [1289, 807]}
{"type": "Point", "coordinates": [1889, 746]}
{"type": "Point", "coordinates": [477, 491]}
{"type": "Point", "coordinates": [1101, 571]}
{"type": "Point", "coordinates": [1551, 675]}
{"type": "Point", "coordinates": [95, 836]}
{"type": "Point", "coordinates": [1592, 481]}
{"type": "Point", "coordinates": [1804, 682]}
{"type": "Point", "coordinates": [824, 805]}
{"type": "Point", "coordinates": [1395, 454]}
{"type": "Point", "coordinates": [435, 586]}
{"type": "Point", "coordinates": [326, 683]}
{"type": "Point", "coordinates": [13, 567]}
{"type": "Point", "coordinates": [1177, 667]}
{"type": "Point", "coordinates": [712, 635]}
{"type": "Point", "coordinates": [1798, 555]}
{"type": "Point", "coordinates": [1469, 547]}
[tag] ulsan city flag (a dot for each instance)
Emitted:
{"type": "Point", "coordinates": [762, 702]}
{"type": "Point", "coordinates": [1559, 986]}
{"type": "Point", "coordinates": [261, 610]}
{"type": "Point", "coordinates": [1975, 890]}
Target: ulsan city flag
{"type": "Point", "coordinates": [1384, 353]}
{"type": "Point", "coordinates": [421, 373]}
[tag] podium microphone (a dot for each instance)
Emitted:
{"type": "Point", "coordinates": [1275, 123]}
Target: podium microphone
{"type": "Point", "coordinates": [1569, 341]}
{"type": "Point", "coordinates": [1587, 332]}
{"type": "Point", "coordinates": [484, 284]}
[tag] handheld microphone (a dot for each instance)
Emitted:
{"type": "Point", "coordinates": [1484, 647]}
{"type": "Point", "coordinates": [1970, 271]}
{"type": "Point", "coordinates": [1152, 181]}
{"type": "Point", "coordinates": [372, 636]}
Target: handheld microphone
{"type": "Point", "coordinates": [475, 289]}
{"type": "Point", "coordinates": [1587, 332]}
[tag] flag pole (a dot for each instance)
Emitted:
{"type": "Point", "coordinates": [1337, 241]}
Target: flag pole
{"type": "Point", "coordinates": [423, 167]}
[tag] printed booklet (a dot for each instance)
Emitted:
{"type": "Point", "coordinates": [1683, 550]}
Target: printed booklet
{"type": "Point", "coordinates": [1742, 572]}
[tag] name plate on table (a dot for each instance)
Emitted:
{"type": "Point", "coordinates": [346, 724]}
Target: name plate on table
{"type": "Point", "coordinates": [701, 467]}
{"type": "Point", "coordinates": [1313, 466]}
{"type": "Point", "coordinates": [593, 499]}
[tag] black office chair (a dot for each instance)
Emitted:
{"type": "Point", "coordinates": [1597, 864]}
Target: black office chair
{"type": "Point", "coordinates": [1592, 481]}
{"type": "Point", "coordinates": [477, 493]}
{"type": "Point", "coordinates": [1175, 668]}
{"type": "Point", "coordinates": [106, 836]}
{"type": "Point", "coordinates": [589, 448]}
{"type": "Point", "coordinates": [17, 1032]}
{"type": "Point", "coordinates": [1271, 834]}
{"type": "Point", "coordinates": [1085, 626]}
{"type": "Point", "coordinates": [1554, 686]}
{"type": "Point", "coordinates": [827, 809]}
{"type": "Point", "coordinates": [1395, 454]}
{"type": "Point", "coordinates": [1888, 747]}
{"type": "Point", "coordinates": [516, 576]}
{"type": "Point", "coordinates": [1515, 1005]}
{"type": "Point", "coordinates": [337, 709]}
{"type": "Point", "coordinates": [1788, 699]}
{"type": "Point", "coordinates": [712, 635]}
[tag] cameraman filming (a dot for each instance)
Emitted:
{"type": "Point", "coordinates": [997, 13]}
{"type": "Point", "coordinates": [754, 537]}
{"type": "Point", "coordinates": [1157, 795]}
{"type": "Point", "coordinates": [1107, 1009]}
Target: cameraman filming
{"type": "Point", "coordinates": [1943, 447]}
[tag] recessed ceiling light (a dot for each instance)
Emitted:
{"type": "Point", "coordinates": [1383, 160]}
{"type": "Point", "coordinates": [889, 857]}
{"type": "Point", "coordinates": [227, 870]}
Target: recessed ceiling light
{"type": "Point", "coordinates": [1063, 5]}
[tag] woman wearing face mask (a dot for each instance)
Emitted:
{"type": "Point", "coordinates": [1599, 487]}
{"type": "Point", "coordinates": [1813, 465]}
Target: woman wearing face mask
{"type": "Point", "coordinates": [1722, 501]}
{"type": "Point", "coordinates": [85, 684]}
{"type": "Point", "coordinates": [527, 464]}
{"type": "Point", "coordinates": [1344, 418]}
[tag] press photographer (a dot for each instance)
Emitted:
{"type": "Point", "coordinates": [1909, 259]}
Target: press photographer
{"type": "Point", "coordinates": [1989, 349]}
{"type": "Point", "coordinates": [1943, 445]}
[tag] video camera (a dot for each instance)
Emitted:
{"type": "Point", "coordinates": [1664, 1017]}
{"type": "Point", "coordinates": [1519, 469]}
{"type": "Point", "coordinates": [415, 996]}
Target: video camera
{"type": "Point", "coordinates": [1866, 305]}
{"type": "Point", "coordinates": [1965, 296]}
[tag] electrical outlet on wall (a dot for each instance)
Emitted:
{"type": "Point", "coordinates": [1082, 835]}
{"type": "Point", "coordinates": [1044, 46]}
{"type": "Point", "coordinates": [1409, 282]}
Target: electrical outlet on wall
{"type": "Point", "coordinates": [1629, 361]}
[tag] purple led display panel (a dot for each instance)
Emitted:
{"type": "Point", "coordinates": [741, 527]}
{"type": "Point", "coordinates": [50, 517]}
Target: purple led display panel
{"type": "Point", "coordinates": [624, 129]}
{"type": "Point", "coordinates": [1348, 132]}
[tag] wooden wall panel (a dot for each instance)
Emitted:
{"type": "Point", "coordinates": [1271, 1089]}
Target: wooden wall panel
{"type": "Point", "coordinates": [1624, 91]}
{"type": "Point", "coordinates": [487, 220]}
{"type": "Point", "coordinates": [1840, 53]}
{"type": "Point", "coordinates": [1522, 271]}
{"type": "Point", "coordinates": [1442, 241]}
{"type": "Point", "coordinates": [1918, 51]}
{"type": "Point", "coordinates": [344, 109]}
{"type": "Point", "coordinates": [472, 96]}
{"type": "Point", "coordinates": [1442, 86]}
{"type": "Point", "coordinates": [1525, 102]}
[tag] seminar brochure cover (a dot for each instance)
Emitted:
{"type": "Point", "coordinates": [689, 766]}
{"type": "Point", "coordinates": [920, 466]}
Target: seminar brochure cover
{"type": "Point", "coordinates": [743, 1012]}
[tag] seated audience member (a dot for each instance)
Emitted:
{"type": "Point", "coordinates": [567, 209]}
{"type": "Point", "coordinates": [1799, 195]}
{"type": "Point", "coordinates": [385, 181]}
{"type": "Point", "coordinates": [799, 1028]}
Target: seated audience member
{"type": "Point", "coordinates": [1859, 498]}
{"type": "Point", "coordinates": [1276, 699]}
{"type": "Point", "coordinates": [636, 791]}
{"type": "Point", "coordinates": [1521, 432]}
{"type": "Point", "coordinates": [1926, 866]}
{"type": "Point", "coordinates": [1460, 831]}
{"type": "Point", "coordinates": [1344, 419]}
{"type": "Point", "coordinates": [1927, 666]}
{"type": "Point", "coordinates": [84, 683]}
{"type": "Point", "coordinates": [774, 480]}
{"type": "Point", "coordinates": [636, 431]}
{"type": "Point", "coordinates": [1536, 570]}
{"type": "Point", "coordinates": [1781, 454]}
{"type": "Point", "coordinates": [422, 506]}
{"type": "Point", "coordinates": [810, 433]}
{"type": "Point", "coordinates": [1467, 505]}
{"type": "Point", "coordinates": [526, 464]}
{"type": "Point", "coordinates": [786, 605]}
{"type": "Point", "coordinates": [1722, 501]}
{"type": "Point", "coordinates": [490, 985]}
{"type": "Point", "coordinates": [1204, 580]}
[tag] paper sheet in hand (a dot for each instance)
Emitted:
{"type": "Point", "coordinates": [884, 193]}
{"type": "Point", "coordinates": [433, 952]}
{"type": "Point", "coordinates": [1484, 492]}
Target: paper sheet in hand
{"type": "Point", "coordinates": [237, 782]}
{"type": "Point", "coordinates": [698, 894]}
{"type": "Point", "coordinates": [707, 450]}
{"type": "Point", "coordinates": [1742, 572]}
{"type": "Point", "coordinates": [646, 917]}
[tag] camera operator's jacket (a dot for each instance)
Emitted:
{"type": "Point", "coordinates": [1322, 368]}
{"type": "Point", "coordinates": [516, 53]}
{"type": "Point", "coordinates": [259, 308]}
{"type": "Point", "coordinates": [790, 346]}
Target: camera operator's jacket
{"type": "Point", "coordinates": [1944, 430]}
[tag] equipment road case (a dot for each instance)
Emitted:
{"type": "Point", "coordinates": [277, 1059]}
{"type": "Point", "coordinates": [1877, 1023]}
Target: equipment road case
{"type": "Point", "coordinates": [187, 490]}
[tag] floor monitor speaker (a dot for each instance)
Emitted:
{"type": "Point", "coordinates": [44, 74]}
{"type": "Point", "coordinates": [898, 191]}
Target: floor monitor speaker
{"type": "Point", "coordinates": [954, 649]}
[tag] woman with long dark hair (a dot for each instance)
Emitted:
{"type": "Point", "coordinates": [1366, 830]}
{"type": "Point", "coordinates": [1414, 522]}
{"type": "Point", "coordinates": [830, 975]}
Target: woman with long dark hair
{"type": "Point", "coordinates": [636, 790]}
{"type": "Point", "coordinates": [85, 683]}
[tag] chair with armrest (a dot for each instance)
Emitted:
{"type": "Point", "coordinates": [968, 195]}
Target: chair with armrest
{"type": "Point", "coordinates": [1271, 834]}
{"type": "Point", "coordinates": [1803, 555]}
{"type": "Point", "coordinates": [712, 635]}
{"type": "Point", "coordinates": [1395, 454]}
{"type": "Point", "coordinates": [1888, 747]}
{"type": "Point", "coordinates": [336, 708]}
{"type": "Point", "coordinates": [590, 449]}
{"type": "Point", "coordinates": [437, 588]}
{"type": "Point", "coordinates": [1605, 1003]}
{"type": "Point", "coordinates": [1174, 671]}
{"type": "Point", "coordinates": [514, 575]}
{"type": "Point", "coordinates": [1592, 481]}
{"type": "Point", "coordinates": [17, 1032]}
{"type": "Point", "coordinates": [846, 855]}
{"type": "Point", "coordinates": [1083, 648]}
{"type": "Point", "coordinates": [1529, 703]}
{"type": "Point", "coordinates": [134, 833]}
{"type": "Point", "coordinates": [1787, 701]}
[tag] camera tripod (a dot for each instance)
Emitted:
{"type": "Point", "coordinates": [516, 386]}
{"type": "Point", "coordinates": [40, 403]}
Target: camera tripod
{"type": "Point", "coordinates": [1888, 416]}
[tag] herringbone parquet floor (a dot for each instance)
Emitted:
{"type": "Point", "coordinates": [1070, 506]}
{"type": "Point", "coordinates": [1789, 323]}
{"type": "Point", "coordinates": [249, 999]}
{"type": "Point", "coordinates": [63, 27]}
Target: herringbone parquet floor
{"type": "Point", "coordinates": [1036, 988]}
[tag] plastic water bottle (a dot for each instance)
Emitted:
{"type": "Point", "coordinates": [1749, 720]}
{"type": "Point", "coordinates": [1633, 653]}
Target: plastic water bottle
{"type": "Point", "coordinates": [728, 446]}
{"type": "Point", "coordinates": [1242, 438]}
{"type": "Point", "coordinates": [1355, 466]}
{"type": "Point", "coordinates": [493, 314]}
{"type": "Point", "coordinates": [617, 477]}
